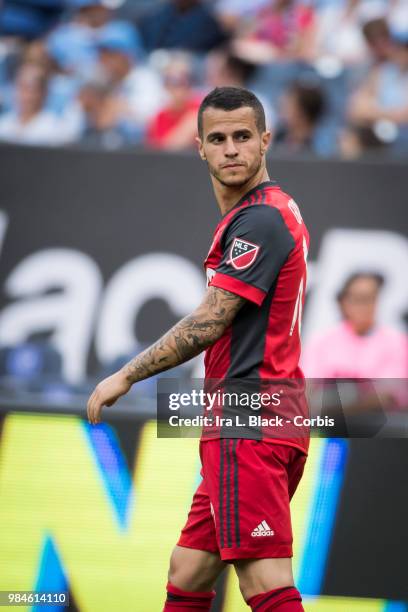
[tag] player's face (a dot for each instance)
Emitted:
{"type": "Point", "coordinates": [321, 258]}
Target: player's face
{"type": "Point", "coordinates": [232, 145]}
{"type": "Point", "coordinates": [359, 304]}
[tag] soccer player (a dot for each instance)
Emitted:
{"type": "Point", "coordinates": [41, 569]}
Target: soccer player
{"type": "Point", "coordinates": [249, 325]}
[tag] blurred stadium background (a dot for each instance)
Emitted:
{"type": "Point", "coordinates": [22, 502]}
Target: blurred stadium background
{"type": "Point", "coordinates": [106, 215]}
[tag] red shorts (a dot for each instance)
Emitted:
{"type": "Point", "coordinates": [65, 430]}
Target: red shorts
{"type": "Point", "coordinates": [241, 507]}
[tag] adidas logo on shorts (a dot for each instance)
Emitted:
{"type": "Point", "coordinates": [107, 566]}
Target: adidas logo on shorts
{"type": "Point", "coordinates": [262, 530]}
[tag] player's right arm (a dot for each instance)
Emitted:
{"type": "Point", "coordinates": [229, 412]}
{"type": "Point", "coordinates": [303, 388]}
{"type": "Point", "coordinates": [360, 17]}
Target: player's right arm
{"type": "Point", "coordinates": [185, 340]}
{"type": "Point", "coordinates": [189, 337]}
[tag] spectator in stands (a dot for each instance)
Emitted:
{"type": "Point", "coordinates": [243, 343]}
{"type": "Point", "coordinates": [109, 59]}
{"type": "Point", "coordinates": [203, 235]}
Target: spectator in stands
{"type": "Point", "coordinates": [137, 88]}
{"type": "Point", "coordinates": [378, 38]}
{"type": "Point", "coordinates": [358, 141]}
{"type": "Point", "coordinates": [101, 127]}
{"type": "Point", "coordinates": [74, 44]}
{"type": "Point", "coordinates": [13, 53]}
{"type": "Point", "coordinates": [281, 31]}
{"type": "Point", "coordinates": [30, 122]}
{"type": "Point", "coordinates": [381, 102]}
{"type": "Point", "coordinates": [339, 41]}
{"type": "Point", "coordinates": [224, 69]}
{"type": "Point", "coordinates": [36, 53]}
{"type": "Point", "coordinates": [232, 13]}
{"type": "Point", "coordinates": [62, 86]}
{"type": "Point", "coordinates": [181, 24]}
{"type": "Point", "coordinates": [358, 347]}
{"type": "Point", "coordinates": [175, 125]}
{"type": "Point", "coordinates": [302, 109]}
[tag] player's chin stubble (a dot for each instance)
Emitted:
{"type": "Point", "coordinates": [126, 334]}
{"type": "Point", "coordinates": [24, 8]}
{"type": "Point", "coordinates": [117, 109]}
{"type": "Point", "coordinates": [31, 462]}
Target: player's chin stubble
{"type": "Point", "coordinates": [232, 182]}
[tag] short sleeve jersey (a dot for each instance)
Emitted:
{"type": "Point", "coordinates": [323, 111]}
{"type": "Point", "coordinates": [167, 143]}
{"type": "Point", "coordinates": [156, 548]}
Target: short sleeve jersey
{"type": "Point", "coordinates": [259, 252]}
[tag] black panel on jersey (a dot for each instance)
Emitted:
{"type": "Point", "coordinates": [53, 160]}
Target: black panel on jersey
{"type": "Point", "coordinates": [261, 225]}
{"type": "Point", "coordinates": [248, 337]}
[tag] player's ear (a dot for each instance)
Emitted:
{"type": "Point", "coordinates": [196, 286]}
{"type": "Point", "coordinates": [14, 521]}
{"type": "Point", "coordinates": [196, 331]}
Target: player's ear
{"type": "Point", "coordinates": [265, 141]}
{"type": "Point", "coordinates": [200, 148]}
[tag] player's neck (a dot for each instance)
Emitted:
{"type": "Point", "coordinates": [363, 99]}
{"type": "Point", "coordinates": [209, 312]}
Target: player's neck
{"type": "Point", "coordinates": [227, 196]}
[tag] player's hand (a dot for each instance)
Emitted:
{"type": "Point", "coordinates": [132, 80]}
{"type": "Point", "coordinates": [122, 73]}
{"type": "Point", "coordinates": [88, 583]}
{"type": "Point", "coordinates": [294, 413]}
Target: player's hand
{"type": "Point", "coordinates": [105, 394]}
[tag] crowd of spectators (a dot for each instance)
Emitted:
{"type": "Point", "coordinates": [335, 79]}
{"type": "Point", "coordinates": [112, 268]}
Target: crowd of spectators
{"type": "Point", "coordinates": [332, 74]}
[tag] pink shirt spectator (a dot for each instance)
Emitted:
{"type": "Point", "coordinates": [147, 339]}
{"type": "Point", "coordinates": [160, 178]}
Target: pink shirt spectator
{"type": "Point", "coordinates": [280, 28]}
{"type": "Point", "coordinates": [340, 353]}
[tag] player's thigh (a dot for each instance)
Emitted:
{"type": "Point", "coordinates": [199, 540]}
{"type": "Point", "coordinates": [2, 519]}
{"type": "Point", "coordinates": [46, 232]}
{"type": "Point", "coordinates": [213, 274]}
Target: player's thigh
{"type": "Point", "coordinates": [194, 570]}
{"type": "Point", "coordinates": [195, 563]}
{"type": "Point", "coordinates": [261, 575]}
{"type": "Point", "coordinates": [199, 530]}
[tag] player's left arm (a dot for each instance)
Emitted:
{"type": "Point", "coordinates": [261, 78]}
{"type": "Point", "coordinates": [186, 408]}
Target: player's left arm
{"type": "Point", "coordinates": [189, 337]}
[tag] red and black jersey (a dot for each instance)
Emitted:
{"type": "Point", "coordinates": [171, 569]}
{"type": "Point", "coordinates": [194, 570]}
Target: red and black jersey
{"type": "Point", "coordinates": [259, 252]}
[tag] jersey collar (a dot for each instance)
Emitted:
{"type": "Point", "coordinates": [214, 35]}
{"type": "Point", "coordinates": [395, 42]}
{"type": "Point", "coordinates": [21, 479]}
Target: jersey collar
{"type": "Point", "coordinates": [245, 197]}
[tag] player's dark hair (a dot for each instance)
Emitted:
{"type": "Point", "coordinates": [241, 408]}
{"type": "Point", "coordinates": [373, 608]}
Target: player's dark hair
{"type": "Point", "coordinates": [229, 99]}
{"type": "Point", "coordinates": [378, 278]}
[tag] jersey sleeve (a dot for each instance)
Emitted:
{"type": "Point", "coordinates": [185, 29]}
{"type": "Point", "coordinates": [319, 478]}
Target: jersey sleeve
{"type": "Point", "coordinates": [255, 245]}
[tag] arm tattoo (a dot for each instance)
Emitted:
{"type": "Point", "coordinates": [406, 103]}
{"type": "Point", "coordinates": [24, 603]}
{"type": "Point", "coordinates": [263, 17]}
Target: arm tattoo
{"type": "Point", "coordinates": [188, 337]}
